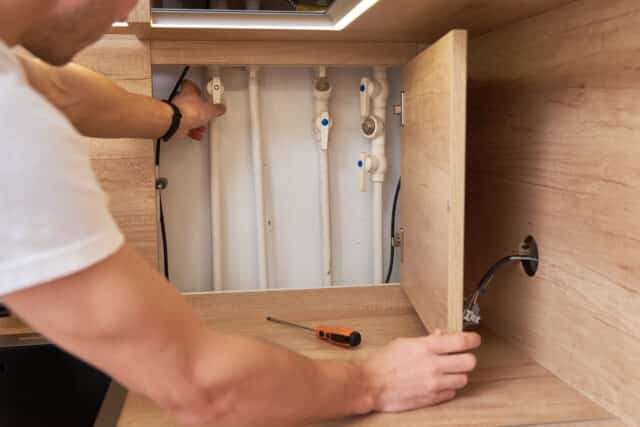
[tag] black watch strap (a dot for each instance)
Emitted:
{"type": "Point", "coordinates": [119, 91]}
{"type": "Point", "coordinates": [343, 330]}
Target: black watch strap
{"type": "Point", "coordinates": [175, 121]}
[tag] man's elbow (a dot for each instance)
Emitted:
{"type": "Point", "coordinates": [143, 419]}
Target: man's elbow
{"type": "Point", "coordinates": [200, 403]}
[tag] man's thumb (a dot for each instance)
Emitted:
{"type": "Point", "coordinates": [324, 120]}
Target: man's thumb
{"type": "Point", "coordinates": [215, 110]}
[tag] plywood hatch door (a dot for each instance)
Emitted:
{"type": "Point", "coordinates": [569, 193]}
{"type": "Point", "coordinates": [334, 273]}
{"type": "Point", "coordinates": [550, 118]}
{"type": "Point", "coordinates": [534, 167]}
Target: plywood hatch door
{"type": "Point", "coordinates": [433, 181]}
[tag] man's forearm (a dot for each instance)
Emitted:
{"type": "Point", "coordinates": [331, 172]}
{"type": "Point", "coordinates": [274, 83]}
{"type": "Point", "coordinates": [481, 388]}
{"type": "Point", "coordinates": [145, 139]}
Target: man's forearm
{"type": "Point", "coordinates": [95, 105]}
{"type": "Point", "coordinates": [263, 384]}
{"type": "Point", "coordinates": [123, 317]}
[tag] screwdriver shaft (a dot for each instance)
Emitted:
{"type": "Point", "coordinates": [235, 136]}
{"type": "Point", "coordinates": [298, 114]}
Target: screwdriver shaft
{"type": "Point", "coordinates": [284, 322]}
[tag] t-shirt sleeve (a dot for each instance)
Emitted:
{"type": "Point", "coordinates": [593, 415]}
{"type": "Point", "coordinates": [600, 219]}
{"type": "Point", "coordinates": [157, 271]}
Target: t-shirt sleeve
{"type": "Point", "coordinates": [54, 217]}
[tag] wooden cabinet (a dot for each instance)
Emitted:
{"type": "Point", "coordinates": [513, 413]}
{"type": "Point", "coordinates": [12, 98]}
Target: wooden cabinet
{"type": "Point", "coordinates": [544, 145]}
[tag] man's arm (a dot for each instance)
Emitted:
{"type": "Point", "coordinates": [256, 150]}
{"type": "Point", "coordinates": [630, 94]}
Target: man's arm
{"type": "Point", "coordinates": [97, 107]}
{"type": "Point", "coordinates": [124, 318]}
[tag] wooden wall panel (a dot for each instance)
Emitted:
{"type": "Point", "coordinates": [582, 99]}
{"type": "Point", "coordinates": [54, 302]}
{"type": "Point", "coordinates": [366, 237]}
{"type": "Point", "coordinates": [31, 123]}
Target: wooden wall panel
{"type": "Point", "coordinates": [554, 110]}
{"type": "Point", "coordinates": [278, 53]}
{"type": "Point", "coordinates": [433, 181]}
{"type": "Point", "coordinates": [125, 167]}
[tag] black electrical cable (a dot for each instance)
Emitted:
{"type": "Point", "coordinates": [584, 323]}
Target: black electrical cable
{"type": "Point", "coordinates": [163, 232]}
{"type": "Point", "coordinates": [393, 231]}
{"type": "Point", "coordinates": [486, 279]}
{"type": "Point", "coordinates": [161, 183]}
{"type": "Point", "coordinates": [483, 285]}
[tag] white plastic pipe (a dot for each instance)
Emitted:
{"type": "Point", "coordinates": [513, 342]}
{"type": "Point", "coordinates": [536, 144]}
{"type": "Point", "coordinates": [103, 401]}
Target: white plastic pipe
{"type": "Point", "coordinates": [322, 125]}
{"type": "Point", "coordinates": [256, 149]}
{"type": "Point", "coordinates": [378, 176]}
{"type": "Point", "coordinates": [216, 90]}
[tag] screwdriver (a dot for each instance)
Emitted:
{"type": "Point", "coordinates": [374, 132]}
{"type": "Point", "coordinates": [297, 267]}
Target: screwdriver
{"type": "Point", "coordinates": [343, 337]}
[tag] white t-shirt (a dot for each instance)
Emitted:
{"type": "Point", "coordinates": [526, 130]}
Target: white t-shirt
{"type": "Point", "coordinates": [54, 219]}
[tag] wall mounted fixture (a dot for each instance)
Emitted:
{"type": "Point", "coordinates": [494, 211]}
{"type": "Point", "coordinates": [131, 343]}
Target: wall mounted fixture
{"type": "Point", "coordinates": [374, 164]}
{"type": "Point", "coordinates": [336, 18]}
{"type": "Point", "coordinates": [529, 258]}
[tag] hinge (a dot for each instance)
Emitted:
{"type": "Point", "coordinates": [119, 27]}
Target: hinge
{"type": "Point", "coordinates": [399, 110]}
{"type": "Point", "coordinates": [398, 242]}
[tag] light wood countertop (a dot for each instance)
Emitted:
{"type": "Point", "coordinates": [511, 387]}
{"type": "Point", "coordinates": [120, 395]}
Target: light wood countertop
{"type": "Point", "coordinates": [507, 389]}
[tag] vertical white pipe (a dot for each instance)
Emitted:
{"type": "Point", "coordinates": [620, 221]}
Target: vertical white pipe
{"type": "Point", "coordinates": [322, 93]}
{"type": "Point", "coordinates": [327, 277]}
{"type": "Point", "coordinates": [376, 220]}
{"type": "Point", "coordinates": [378, 177]}
{"type": "Point", "coordinates": [215, 184]}
{"type": "Point", "coordinates": [256, 150]}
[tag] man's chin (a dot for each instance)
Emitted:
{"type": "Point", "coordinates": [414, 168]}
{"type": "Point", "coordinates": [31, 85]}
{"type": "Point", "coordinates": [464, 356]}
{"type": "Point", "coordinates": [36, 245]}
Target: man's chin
{"type": "Point", "coordinates": [51, 57]}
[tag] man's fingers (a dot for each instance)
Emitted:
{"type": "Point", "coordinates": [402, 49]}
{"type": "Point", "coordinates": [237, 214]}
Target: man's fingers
{"type": "Point", "coordinates": [454, 343]}
{"type": "Point", "coordinates": [453, 382]}
{"type": "Point", "coordinates": [190, 88]}
{"type": "Point", "coordinates": [214, 110]}
{"type": "Point", "coordinates": [196, 135]}
{"type": "Point", "coordinates": [444, 396]}
{"type": "Point", "coordinates": [457, 363]}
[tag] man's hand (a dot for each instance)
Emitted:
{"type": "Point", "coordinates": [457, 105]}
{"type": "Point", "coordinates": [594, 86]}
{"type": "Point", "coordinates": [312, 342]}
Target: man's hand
{"type": "Point", "coordinates": [412, 373]}
{"type": "Point", "coordinates": [196, 112]}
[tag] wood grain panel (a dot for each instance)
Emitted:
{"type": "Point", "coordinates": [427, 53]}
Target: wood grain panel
{"type": "Point", "coordinates": [611, 422]}
{"type": "Point", "coordinates": [278, 53]}
{"type": "Point", "coordinates": [508, 388]}
{"type": "Point", "coordinates": [554, 121]}
{"type": "Point", "coordinates": [129, 182]}
{"type": "Point", "coordinates": [433, 182]}
{"type": "Point", "coordinates": [141, 13]}
{"type": "Point", "coordinates": [124, 167]}
{"type": "Point", "coordinates": [389, 21]}
{"type": "Point", "coordinates": [119, 57]}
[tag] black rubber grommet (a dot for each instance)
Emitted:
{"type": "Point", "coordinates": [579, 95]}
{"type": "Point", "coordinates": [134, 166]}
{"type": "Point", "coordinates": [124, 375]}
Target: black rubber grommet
{"type": "Point", "coordinates": [529, 247]}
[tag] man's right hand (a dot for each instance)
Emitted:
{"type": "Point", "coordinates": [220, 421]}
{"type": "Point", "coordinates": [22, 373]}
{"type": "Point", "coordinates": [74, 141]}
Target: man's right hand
{"type": "Point", "coordinates": [411, 373]}
{"type": "Point", "coordinates": [196, 111]}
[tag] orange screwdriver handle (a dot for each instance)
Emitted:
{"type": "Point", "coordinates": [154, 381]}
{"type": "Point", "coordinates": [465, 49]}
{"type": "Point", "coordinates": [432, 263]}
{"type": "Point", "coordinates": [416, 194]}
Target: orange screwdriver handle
{"type": "Point", "coordinates": [344, 337]}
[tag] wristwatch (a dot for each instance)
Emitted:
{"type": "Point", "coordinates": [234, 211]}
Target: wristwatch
{"type": "Point", "coordinates": [175, 121]}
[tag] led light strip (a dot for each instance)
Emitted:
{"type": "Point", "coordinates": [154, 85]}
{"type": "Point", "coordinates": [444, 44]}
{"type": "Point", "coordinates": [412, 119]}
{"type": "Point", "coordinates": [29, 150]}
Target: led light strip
{"type": "Point", "coordinates": [354, 14]}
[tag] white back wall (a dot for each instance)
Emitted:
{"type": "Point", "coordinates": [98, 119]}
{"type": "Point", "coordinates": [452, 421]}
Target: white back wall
{"type": "Point", "coordinates": [291, 180]}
